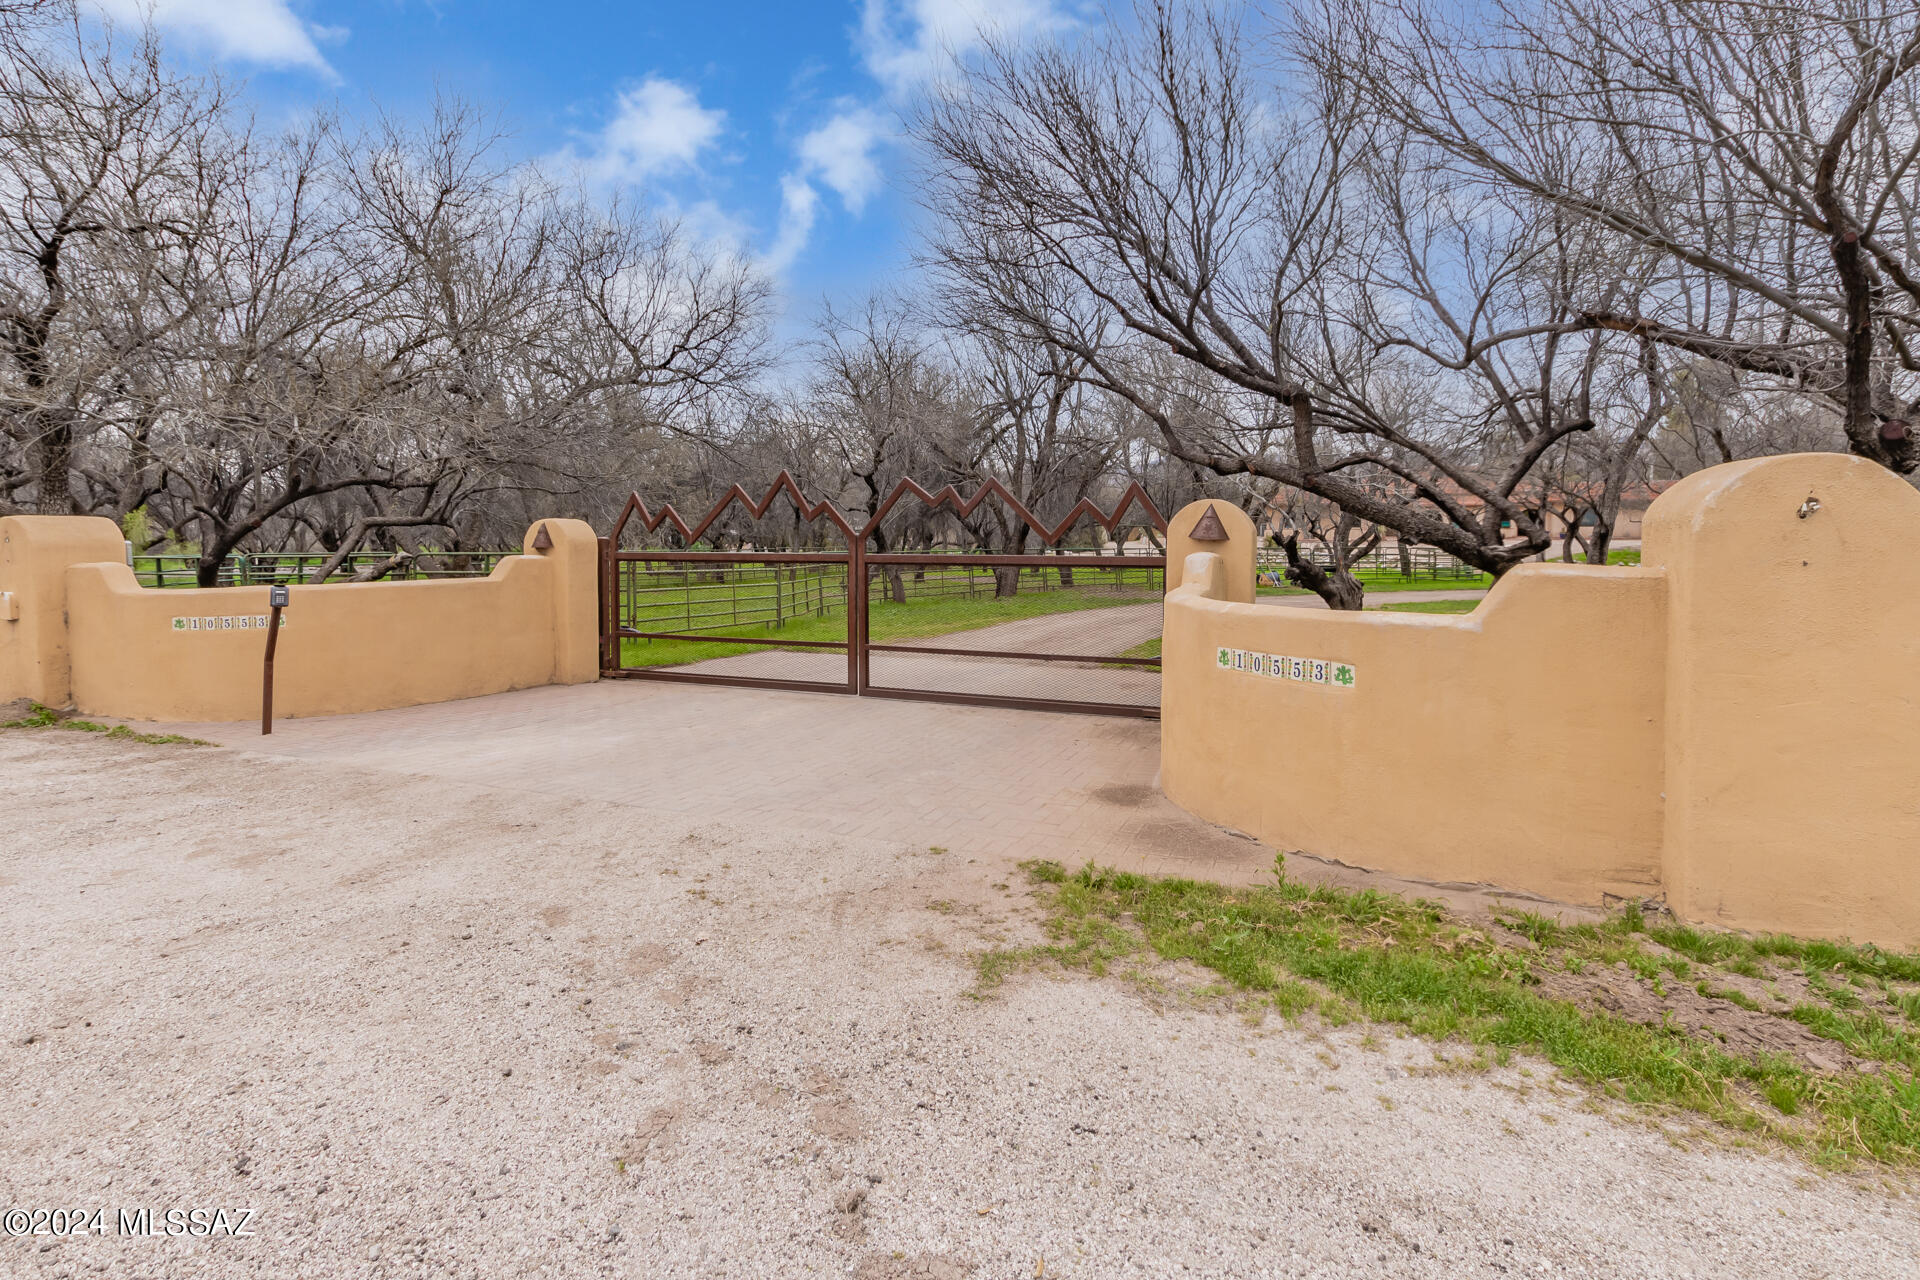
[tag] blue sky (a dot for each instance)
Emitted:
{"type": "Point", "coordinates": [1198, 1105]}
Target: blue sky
{"type": "Point", "coordinates": [771, 126]}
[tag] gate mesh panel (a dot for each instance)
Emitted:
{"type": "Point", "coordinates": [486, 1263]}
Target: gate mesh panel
{"type": "Point", "coordinates": [1051, 631]}
{"type": "Point", "coordinates": [742, 620]}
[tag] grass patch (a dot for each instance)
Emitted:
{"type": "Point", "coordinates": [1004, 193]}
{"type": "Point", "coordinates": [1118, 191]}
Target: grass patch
{"type": "Point", "coordinates": [39, 717]}
{"type": "Point", "coordinates": [1408, 963]}
{"type": "Point", "coordinates": [1433, 606]}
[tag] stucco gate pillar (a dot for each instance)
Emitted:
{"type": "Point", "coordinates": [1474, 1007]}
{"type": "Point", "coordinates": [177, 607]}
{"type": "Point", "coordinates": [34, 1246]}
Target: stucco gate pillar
{"type": "Point", "coordinates": [1792, 797]}
{"type": "Point", "coordinates": [1230, 535]}
{"type": "Point", "coordinates": [35, 553]}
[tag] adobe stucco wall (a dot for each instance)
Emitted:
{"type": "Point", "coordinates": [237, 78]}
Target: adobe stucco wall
{"type": "Point", "coordinates": [1238, 566]}
{"type": "Point", "coordinates": [1550, 692]}
{"type": "Point", "coordinates": [1733, 723]}
{"type": "Point", "coordinates": [89, 636]}
{"type": "Point", "coordinates": [35, 554]}
{"type": "Point", "coordinates": [1793, 729]}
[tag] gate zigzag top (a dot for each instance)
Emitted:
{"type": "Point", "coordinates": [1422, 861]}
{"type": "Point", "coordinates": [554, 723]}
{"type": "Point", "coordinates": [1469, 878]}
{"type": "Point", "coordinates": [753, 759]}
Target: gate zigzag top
{"type": "Point", "coordinates": [808, 511]}
{"type": "Point", "coordinates": [947, 496]}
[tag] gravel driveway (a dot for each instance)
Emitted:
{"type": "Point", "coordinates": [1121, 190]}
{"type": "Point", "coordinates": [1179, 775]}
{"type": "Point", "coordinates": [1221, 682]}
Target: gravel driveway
{"type": "Point", "coordinates": [423, 1027]}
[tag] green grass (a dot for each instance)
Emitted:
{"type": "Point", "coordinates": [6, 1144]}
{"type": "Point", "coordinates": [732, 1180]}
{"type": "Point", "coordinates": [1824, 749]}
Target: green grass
{"type": "Point", "coordinates": [887, 621]}
{"type": "Point", "coordinates": [1377, 581]}
{"type": "Point", "coordinates": [47, 718]}
{"type": "Point", "coordinates": [1629, 555]}
{"type": "Point", "coordinates": [1380, 957]}
{"type": "Point", "coordinates": [1433, 606]}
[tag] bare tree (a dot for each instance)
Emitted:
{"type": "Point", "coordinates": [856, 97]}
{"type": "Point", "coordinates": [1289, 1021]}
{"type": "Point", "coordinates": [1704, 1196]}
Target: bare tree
{"type": "Point", "coordinates": [325, 338]}
{"type": "Point", "coordinates": [97, 189]}
{"type": "Point", "coordinates": [1154, 193]}
{"type": "Point", "coordinates": [1759, 156]}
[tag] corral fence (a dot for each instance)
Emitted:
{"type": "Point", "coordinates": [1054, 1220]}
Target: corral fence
{"type": "Point", "coordinates": [1412, 564]}
{"type": "Point", "coordinates": [271, 567]}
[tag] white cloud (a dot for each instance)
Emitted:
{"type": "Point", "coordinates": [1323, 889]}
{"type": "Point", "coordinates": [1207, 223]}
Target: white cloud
{"type": "Point", "coordinates": [904, 42]}
{"type": "Point", "coordinates": [262, 31]}
{"type": "Point", "coordinates": [657, 127]}
{"type": "Point", "coordinates": [840, 153]}
{"type": "Point", "coordinates": [798, 204]}
{"type": "Point", "coordinates": [658, 132]}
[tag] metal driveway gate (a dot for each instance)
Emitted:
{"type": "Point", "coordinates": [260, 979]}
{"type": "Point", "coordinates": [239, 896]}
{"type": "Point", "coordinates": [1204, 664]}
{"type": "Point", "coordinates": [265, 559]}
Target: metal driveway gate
{"type": "Point", "coordinates": [901, 606]}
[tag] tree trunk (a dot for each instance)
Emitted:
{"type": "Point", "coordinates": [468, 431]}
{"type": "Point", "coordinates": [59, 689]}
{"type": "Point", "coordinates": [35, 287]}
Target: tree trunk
{"type": "Point", "coordinates": [896, 585]}
{"type": "Point", "coordinates": [1340, 589]}
{"type": "Point", "coordinates": [1006, 582]}
{"type": "Point", "coordinates": [1567, 539]}
{"type": "Point", "coordinates": [348, 545]}
{"type": "Point", "coordinates": [1599, 542]}
{"type": "Point", "coordinates": [53, 453]}
{"type": "Point", "coordinates": [375, 572]}
{"type": "Point", "coordinates": [1406, 557]}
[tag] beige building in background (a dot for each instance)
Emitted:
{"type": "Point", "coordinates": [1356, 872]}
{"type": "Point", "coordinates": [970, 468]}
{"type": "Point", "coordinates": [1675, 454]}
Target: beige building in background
{"type": "Point", "coordinates": [1735, 723]}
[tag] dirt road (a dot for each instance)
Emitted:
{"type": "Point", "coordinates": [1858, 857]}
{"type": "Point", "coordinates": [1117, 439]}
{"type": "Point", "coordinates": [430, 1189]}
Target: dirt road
{"type": "Point", "coordinates": [420, 1026]}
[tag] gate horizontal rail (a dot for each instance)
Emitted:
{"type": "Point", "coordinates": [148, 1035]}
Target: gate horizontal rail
{"type": "Point", "coordinates": [738, 557]}
{"type": "Point", "coordinates": [941, 560]}
{"type": "Point", "coordinates": [1025, 655]}
{"type": "Point", "coordinates": [773, 642]}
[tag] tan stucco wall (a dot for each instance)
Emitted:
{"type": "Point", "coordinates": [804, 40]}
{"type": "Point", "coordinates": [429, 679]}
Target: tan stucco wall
{"type": "Point", "coordinates": [35, 553]}
{"type": "Point", "coordinates": [1733, 723]}
{"type": "Point", "coordinates": [1542, 691]}
{"type": "Point", "coordinates": [1238, 566]}
{"type": "Point", "coordinates": [1793, 739]}
{"type": "Point", "coordinates": [344, 648]}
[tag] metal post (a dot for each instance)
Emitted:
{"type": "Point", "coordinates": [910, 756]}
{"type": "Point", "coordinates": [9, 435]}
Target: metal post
{"type": "Point", "coordinates": [609, 608]}
{"type": "Point", "coordinates": [856, 612]}
{"type": "Point", "coordinates": [277, 600]}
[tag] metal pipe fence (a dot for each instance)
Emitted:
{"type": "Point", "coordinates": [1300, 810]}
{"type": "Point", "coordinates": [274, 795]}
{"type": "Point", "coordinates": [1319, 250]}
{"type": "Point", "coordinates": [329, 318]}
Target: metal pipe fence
{"type": "Point", "coordinates": [938, 581]}
{"type": "Point", "coordinates": [269, 568]}
{"type": "Point", "coordinates": [689, 598]}
{"type": "Point", "coordinates": [1418, 563]}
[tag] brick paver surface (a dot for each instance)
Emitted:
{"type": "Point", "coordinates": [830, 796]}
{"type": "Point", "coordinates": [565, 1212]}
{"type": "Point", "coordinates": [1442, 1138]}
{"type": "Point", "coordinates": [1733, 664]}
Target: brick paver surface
{"type": "Point", "coordinates": [976, 781]}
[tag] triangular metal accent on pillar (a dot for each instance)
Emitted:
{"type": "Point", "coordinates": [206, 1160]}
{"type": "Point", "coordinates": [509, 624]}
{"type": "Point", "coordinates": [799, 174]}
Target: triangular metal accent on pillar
{"type": "Point", "coordinates": [541, 542]}
{"type": "Point", "coordinates": [1209, 528]}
